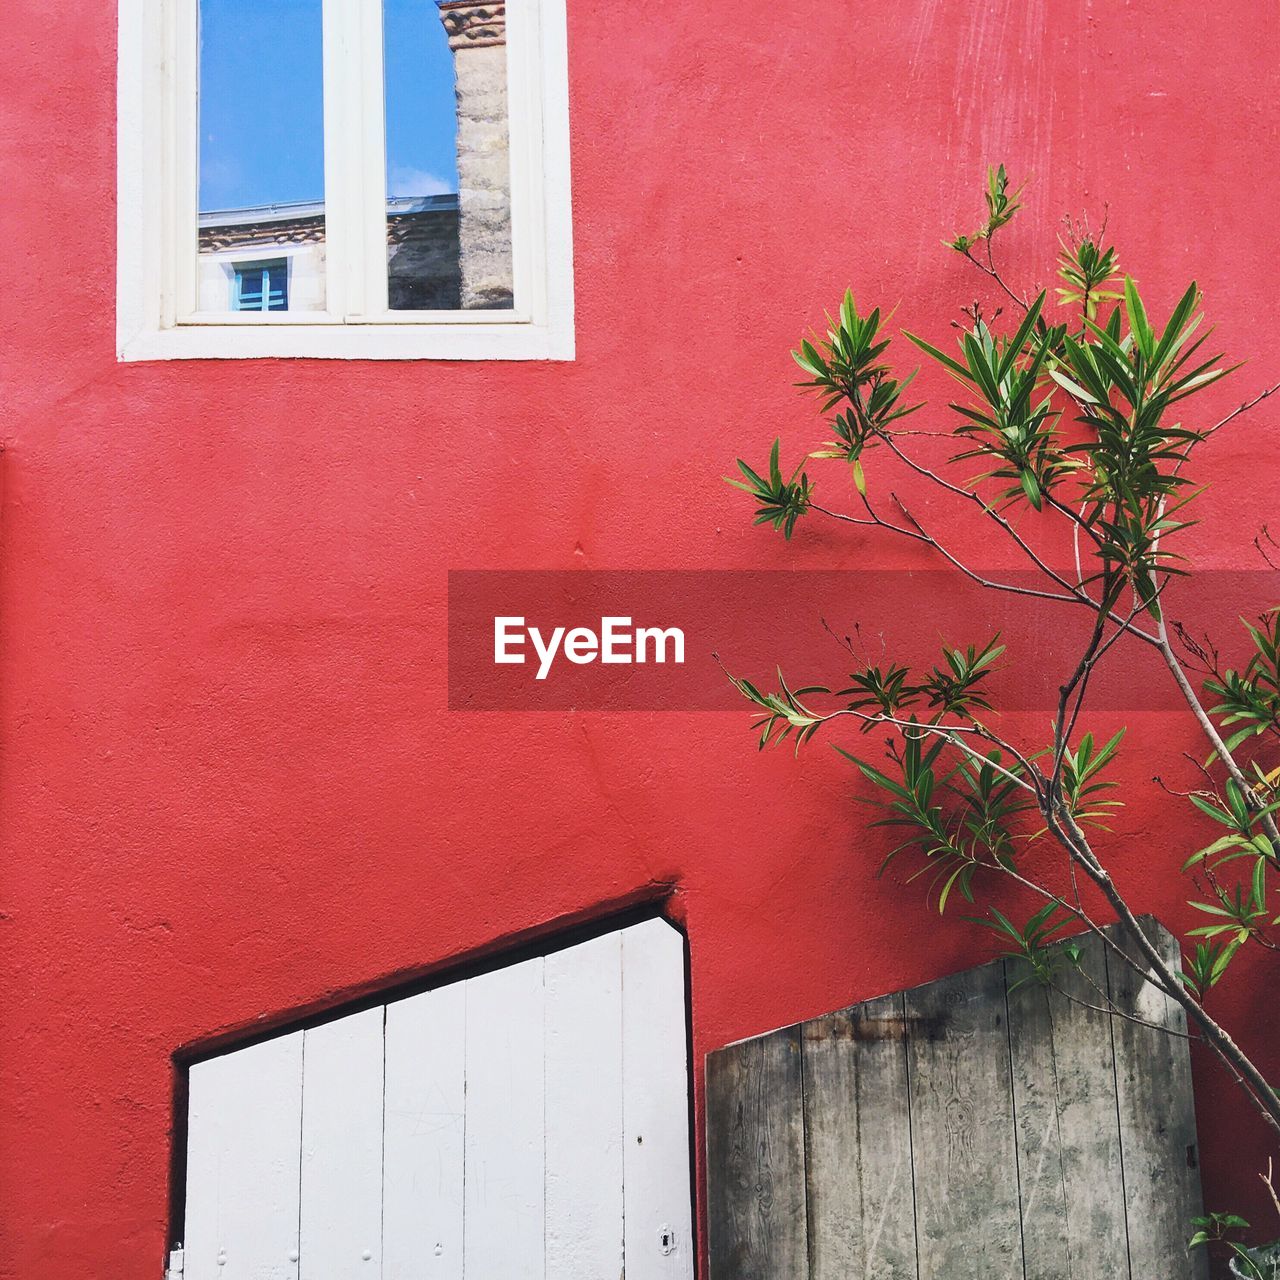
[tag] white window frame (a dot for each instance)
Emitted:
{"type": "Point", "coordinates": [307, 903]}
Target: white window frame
{"type": "Point", "coordinates": [157, 162]}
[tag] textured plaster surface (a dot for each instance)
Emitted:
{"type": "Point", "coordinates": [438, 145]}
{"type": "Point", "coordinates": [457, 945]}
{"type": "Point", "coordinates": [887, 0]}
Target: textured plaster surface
{"type": "Point", "coordinates": [229, 783]}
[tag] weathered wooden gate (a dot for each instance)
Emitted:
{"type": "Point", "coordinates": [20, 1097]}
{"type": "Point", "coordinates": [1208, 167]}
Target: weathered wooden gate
{"type": "Point", "coordinates": [970, 1128]}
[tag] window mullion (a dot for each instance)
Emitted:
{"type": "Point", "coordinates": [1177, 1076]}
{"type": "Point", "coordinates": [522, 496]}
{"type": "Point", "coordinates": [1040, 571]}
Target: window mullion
{"type": "Point", "coordinates": [355, 184]}
{"type": "Point", "coordinates": [341, 167]}
{"type": "Point", "coordinates": [372, 184]}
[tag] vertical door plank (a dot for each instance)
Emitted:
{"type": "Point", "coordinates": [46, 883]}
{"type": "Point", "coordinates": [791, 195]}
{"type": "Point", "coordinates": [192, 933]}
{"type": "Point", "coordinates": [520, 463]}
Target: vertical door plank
{"type": "Point", "coordinates": [504, 1193]}
{"type": "Point", "coordinates": [244, 1123]}
{"type": "Point", "coordinates": [1157, 1117]}
{"type": "Point", "coordinates": [962, 1128]}
{"type": "Point", "coordinates": [1042, 1190]}
{"type": "Point", "coordinates": [755, 1160]}
{"type": "Point", "coordinates": [655, 1091]}
{"type": "Point", "coordinates": [341, 1214]}
{"type": "Point", "coordinates": [1073, 1220]}
{"type": "Point", "coordinates": [583, 1022]}
{"type": "Point", "coordinates": [423, 1136]}
{"type": "Point", "coordinates": [858, 1140]}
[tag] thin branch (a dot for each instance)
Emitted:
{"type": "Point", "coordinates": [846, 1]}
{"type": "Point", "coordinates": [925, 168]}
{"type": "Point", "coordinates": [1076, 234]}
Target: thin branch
{"type": "Point", "coordinates": [1061, 729]}
{"type": "Point", "coordinates": [1076, 593]}
{"type": "Point", "coordinates": [1075, 547]}
{"type": "Point", "coordinates": [1076, 518]}
{"type": "Point", "coordinates": [1067, 831]}
{"type": "Point", "coordinates": [950, 733]}
{"type": "Point", "coordinates": [960, 491]}
{"type": "Point", "coordinates": [1271, 1190]}
{"type": "Point", "coordinates": [988, 268]}
{"type": "Point", "coordinates": [1077, 911]}
{"type": "Point", "coordinates": [1113, 1012]}
{"type": "Point", "coordinates": [921, 536]}
{"type": "Point", "coordinates": [1244, 408]}
{"type": "Point", "coordinates": [1210, 731]}
{"type": "Point", "coordinates": [933, 542]}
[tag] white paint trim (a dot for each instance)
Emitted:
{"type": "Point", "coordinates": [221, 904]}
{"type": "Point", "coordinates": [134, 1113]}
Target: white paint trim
{"type": "Point", "coordinates": [139, 164]}
{"type": "Point", "coordinates": [243, 255]}
{"type": "Point", "coordinates": [179, 195]}
{"type": "Point", "coordinates": [349, 342]}
{"type": "Point", "coordinates": [156, 128]}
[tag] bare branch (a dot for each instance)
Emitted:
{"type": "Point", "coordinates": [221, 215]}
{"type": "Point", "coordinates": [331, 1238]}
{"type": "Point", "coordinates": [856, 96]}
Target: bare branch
{"type": "Point", "coordinates": [1271, 1190]}
{"type": "Point", "coordinates": [1112, 1012]}
{"type": "Point", "coordinates": [990, 512]}
{"type": "Point", "coordinates": [1067, 832]}
{"type": "Point", "coordinates": [1244, 408]}
{"type": "Point", "coordinates": [1210, 731]}
{"type": "Point", "coordinates": [988, 268]}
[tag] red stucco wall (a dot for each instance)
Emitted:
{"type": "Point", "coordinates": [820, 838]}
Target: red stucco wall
{"type": "Point", "coordinates": [229, 784]}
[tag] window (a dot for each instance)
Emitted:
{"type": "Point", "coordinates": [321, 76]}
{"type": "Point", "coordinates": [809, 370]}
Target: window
{"type": "Point", "coordinates": [262, 286]}
{"type": "Point", "coordinates": [532, 1121]}
{"type": "Point", "coordinates": [343, 178]}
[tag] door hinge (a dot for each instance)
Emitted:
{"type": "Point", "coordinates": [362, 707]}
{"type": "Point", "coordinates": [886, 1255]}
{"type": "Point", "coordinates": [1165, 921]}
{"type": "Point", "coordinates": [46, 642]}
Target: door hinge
{"type": "Point", "coordinates": [174, 1270]}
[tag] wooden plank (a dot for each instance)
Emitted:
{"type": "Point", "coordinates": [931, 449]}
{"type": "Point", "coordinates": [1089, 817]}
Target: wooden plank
{"type": "Point", "coordinates": [965, 1158]}
{"type": "Point", "coordinates": [504, 1193]}
{"type": "Point", "coordinates": [655, 1090]}
{"type": "Point", "coordinates": [1157, 1119]}
{"type": "Point", "coordinates": [244, 1124]}
{"type": "Point", "coordinates": [858, 1140]}
{"type": "Point", "coordinates": [755, 1160]}
{"type": "Point", "coordinates": [583, 1023]}
{"type": "Point", "coordinates": [422, 1174]}
{"type": "Point", "coordinates": [1071, 1183]}
{"type": "Point", "coordinates": [341, 1210]}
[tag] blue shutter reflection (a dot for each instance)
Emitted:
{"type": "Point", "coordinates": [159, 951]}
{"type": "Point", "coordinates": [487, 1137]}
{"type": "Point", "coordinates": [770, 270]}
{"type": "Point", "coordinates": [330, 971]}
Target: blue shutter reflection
{"type": "Point", "coordinates": [262, 287]}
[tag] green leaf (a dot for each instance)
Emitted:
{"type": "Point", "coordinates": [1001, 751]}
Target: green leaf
{"type": "Point", "coordinates": [940, 356]}
{"type": "Point", "coordinates": [1177, 323]}
{"type": "Point", "coordinates": [1137, 315]}
{"type": "Point", "coordinates": [1074, 388]}
{"type": "Point", "coordinates": [1019, 339]}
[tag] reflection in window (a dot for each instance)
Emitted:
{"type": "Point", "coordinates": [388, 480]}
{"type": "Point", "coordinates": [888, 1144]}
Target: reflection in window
{"type": "Point", "coordinates": [261, 156]}
{"type": "Point", "coordinates": [262, 286]}
{"type": "Point", "coordinates": [448, 179]}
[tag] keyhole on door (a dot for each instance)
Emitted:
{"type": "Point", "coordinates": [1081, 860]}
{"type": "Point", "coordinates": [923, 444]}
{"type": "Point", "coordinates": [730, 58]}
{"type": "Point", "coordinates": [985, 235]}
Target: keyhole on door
{"type": "Point", "coordinates": [666, 1241]}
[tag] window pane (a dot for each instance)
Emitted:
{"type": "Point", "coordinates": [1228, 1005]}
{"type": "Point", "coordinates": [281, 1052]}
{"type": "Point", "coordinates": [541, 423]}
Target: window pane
{"type": "Point", "coordinates": [261, 288]}
{"type": "Point", "coordinates": [262, 227]}
{"type": "Point", "coordinates": [448, 180]}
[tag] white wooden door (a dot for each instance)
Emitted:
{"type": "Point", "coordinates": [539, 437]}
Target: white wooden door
{"type": "Point", "coordinates": [528, 1124]}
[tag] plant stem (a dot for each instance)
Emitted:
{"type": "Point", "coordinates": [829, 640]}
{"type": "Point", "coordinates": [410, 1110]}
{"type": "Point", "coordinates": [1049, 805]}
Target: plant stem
{"type": "Point", "coordinates": [1255, 1084]}
{"type": "Point", "coordinates": [1210, 731]}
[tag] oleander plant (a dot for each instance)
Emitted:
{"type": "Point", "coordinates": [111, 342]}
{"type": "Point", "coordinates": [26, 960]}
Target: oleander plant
{"type": "Point", "coordinates": [1077, 425]}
